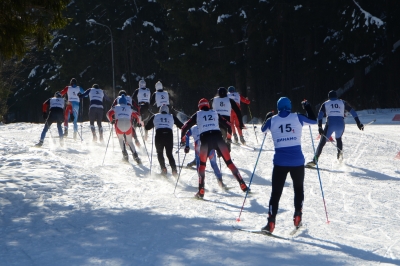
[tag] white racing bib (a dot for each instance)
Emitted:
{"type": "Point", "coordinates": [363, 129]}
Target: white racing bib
{"type": "Point", "coordinates": [96, 94]}
{"type": "Point", "coordinates": [207, 120]}
{"type": "Point", "coordinates": [57, 102]}
{"type": "Point", "coordinates": [234, 96]}
{"type": "Point", "coordinates": [143, 95]}
{"type": "Point", "coordinates": [334, 108]}
{"type": "Point", "coordinates": [163, 121]}
{"type": "Point", "coordinates": [195, 133]}
{"type": "Point", "coordinates": [222, 106]}
{"type": "Point", "coordinates": [122, 112]}
{"type": "Point", "coordinates": [286, 132]}
{"type": "Point", "coordinates": [162, 98]}
{"type": "Point", "coordinates": [73, 93]}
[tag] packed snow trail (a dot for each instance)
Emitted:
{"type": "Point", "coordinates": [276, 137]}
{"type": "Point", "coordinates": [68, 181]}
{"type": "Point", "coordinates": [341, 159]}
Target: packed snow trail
{"type": "Point", "coordinates": [59, 206]}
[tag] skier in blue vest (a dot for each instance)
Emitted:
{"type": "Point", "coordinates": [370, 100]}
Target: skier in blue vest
{"type": "Point", "coordinates": [286, 130]}
{"type": "Point", "coordinates": [334, 110]}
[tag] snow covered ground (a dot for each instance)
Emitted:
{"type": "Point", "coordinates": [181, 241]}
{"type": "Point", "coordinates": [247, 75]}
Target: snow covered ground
{"type": "Point", "coordinates": [61, 206]}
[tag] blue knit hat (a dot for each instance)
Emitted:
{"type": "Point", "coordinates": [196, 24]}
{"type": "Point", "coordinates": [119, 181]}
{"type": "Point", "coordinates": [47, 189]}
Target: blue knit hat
{"type": "Point", "coordinates": [284, 104]}
{"type": "Point", "coordinates": [231, 89]}
{"type": "Point", "coordinates": [122, 99]}
{"type": "Point", "coordinates": [332, 95]}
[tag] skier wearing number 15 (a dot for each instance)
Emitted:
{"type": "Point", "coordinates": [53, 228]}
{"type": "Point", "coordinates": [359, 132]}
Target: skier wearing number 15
{"type": "Point", "coordinates": [286, 130]}
{"type": "Point", "coordinates": [334, 110]}
{"type": "Point", "coordinates": [209, 123]}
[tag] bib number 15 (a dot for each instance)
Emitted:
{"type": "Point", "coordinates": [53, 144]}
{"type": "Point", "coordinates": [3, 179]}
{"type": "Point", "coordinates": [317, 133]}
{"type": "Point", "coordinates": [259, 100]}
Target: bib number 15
{"type": "Point", "coordinates": [287, 128]}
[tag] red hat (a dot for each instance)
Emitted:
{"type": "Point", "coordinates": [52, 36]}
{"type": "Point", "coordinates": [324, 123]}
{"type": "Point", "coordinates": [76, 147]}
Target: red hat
{"type": "Point", "coordinates": [203, 102]}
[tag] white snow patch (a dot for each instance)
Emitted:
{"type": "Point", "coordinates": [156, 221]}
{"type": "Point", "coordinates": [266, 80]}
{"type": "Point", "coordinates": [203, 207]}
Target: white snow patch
{"type": "Point", "coordinates": [369, 19]}
{"type": "Point", "coordinates": [33, 72]}
{"type": "Point", "coordinates": [146, 23]}
{"type": "Point", "coordinates": [297, 7]}
{"type": "Point", "coordinates": [123, 78]}
{"type": "Point", "coordinates": [127, 22]}
{"type": "Point", "coordinates": [222, 17]}
{"type": "Point", "coordinates": [84, 71]}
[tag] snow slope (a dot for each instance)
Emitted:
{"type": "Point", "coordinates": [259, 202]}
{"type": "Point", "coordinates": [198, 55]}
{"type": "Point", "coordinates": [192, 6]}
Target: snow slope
{"type": "Point", "coordinates": [61, 206]}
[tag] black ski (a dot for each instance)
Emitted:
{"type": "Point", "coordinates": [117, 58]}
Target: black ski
{"type": "Point", "coordinates": [259, 232]}
{"type": "Point", "coordinates": [296, 229]}
{"type": "Point", "coordinates": [244, 146]}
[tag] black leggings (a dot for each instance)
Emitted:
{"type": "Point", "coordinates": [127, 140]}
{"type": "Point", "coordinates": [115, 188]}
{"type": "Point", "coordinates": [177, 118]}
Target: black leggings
{"type": "Point", "coordinates": [279, 174]}
{"type": "Point", "coordinates": [164, 139]}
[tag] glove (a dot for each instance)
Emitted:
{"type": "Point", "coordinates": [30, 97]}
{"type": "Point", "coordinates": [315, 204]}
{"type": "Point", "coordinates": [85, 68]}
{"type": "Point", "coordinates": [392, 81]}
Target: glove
{"type": "Point", "coordinates": [79, 95]}
{"type": "Point", "coordinates": [305, 104]}
{"type": "Point", "coordinates": [183, 143]}
{"type": "Point", "coordinates": [112, 122]}
{"type": "Point", "coordinates": [187, 149]}
{"type": "Point", "coordinates": [44, 115]}
{"type": "Point", "coordinates": [359, 125]}
{"type": "Point", "coordinates": [321, 131]}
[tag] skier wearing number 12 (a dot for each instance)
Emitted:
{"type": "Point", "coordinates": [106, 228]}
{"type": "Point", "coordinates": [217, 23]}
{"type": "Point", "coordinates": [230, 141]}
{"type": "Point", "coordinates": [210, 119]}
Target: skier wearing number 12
{"type": "Point", "coordinates": [286, 131]}
{"type": "Point", "coordinates": [334, 110]}
{"type": "Point", "coordinates": [209, 123]}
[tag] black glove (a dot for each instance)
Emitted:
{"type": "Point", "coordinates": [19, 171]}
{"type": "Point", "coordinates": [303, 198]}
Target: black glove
{"type": "Point", "coordinates": [138, 124]}
{"type": "Point", "coordinates": [321, 131]}
{"type": "Point", "coordinates": [305, 104]}
{"type": "Point", "coordinates": [187, 149]}
{"type": "Point", "coordinates": [79, 95]}
{"type": "Point", "coordinates": [44, 115]}
{"type": "Point", "coordinates": [359, 125]}
{"type": "Point", "coordinates": [112, 122]}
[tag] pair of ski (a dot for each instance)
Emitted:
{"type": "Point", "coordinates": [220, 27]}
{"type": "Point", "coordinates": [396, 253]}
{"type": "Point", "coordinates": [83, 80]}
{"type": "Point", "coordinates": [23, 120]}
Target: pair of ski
{"type": "Point", "coordinates": [244, 146]}
{"type": "Point", "coordinates": [260, 232]}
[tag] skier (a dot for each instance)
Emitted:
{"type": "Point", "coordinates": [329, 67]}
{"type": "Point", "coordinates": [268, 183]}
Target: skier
{"type": "Point", "coordinates": [163, 123]}
{"type": "Point", "coordinates": [135, 123]}
{"type": "Point", "coordinates": [194, 132]}
{"type": "Point", "coordinates": [121, 115]}
{"type": "Point", "coordinates": [232, 94]}
{"type": "Point", "coordinates": [53, 111]}
{"type": "Point", "coordinates": [72, 91]}
{"type": "Point", "coordinates": [209, 123]}
{"type": "Point", "coordinates": [67, 113]}
{"type": "Point", "coordinates": [223, 106]}
{"type": "Point", "coordinates": [286, 130]}
{"type": "Point", "coordinates": [96, 109]}
{"type": "Point", "coordinates": [334, 110]}
{"type": "Point", "coordinates": [159, 97]}
{"type": "Point", "coordinates": [142, 96]}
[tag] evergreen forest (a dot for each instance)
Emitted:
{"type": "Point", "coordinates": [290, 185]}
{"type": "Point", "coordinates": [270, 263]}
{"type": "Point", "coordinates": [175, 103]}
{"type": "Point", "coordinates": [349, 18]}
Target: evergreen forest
{"type": "Point", "coordinates": [266, 49]}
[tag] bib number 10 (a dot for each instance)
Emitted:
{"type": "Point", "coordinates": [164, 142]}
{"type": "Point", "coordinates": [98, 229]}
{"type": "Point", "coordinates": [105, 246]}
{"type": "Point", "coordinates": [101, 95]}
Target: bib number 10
{"type": "Point", "coordinates": [287, 128]}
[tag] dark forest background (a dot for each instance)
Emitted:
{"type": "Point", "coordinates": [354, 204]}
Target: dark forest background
{"type": "Point", "coordinates": [266, 49]}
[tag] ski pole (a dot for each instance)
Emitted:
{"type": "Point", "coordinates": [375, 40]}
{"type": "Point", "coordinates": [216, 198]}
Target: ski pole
{"type": "Point", "coordinates": [177, 137]}
{"type": "Point", "coordinates": [48, 128]}
{"type": "Point", "coordinates": [151, 154]}
{"type": "Point", "coordinates": [180, 170]}
{"type": "Point", "coordinates": [319, 176]}
{"type": "Point", "coordinates": [144, 142]}
{"type": "Point", "coordinates": [254, 127]}
{"type": "Point", "coordinates": [251, 178]}
{"type": "Point", "coordinates": [112, 126]}
{"type": "Point", "coordinates": [81, 119]}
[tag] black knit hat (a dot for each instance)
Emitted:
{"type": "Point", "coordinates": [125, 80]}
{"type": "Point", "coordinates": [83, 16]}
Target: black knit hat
{"type": "Point", "coordinates": [332, 95]}
{"type": "Point", "coordinates": [73, 81]}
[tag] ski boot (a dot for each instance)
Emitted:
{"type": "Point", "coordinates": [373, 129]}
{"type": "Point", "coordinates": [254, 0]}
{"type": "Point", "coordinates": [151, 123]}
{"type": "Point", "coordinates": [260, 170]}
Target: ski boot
{"type": "Point", "coordinates": [221, 184]}
{"type": "Point", "coordinates": [244, 187]}
{"type": "Point", "coordinates": [136, 158]}
{"type": "Point", "coordinates": [94, 137]}
{"type": "Point", "coordinates": [164, 172]}
{"type": "Point", "coordinates": [125, 154]}
{"type": "Point", "coordinates": [340, 156]}
{"type": "Point", "coordinates": [192, 163]}
{"type": "Point", "coordinates": [174, 172]}
{"type": "Point", "coordinates": [229, 141]}
{"type": "Point", "coordinates": [269, 228]}
{"type": "Point", "coordinates": [235, 138]}
{"type": "Point", "coordinates": [65, 131]}
{"type": "Point", "coordinates": [312, 163]}
{"type": "Point", "coordinates": [297, 218]}
{"type": "Point", "coordinates": [200, 194]}
{"type": "Point", "coordinates": [39, 144]}
{"type": "Point", "coordinates": [242, 140]}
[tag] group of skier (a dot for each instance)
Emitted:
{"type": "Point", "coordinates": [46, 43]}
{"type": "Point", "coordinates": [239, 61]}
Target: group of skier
{"type": "Point", "coordinates": [211, 127]}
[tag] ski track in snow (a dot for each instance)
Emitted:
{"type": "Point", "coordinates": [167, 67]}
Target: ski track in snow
{"type": "Point", "coordinates": [60, 206]}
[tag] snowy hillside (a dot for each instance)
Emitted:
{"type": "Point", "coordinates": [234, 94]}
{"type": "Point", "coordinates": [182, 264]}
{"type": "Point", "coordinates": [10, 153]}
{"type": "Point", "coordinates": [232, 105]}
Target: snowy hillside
{"type": "Point", "coordinates": [61, 206]}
